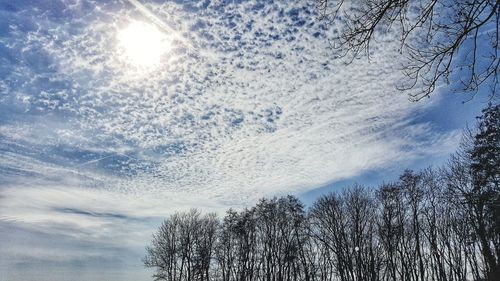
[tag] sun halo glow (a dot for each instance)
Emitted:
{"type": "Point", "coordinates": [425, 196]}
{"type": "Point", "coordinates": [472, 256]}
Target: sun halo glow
{"type": "Point", "coordinates": [142, 44]}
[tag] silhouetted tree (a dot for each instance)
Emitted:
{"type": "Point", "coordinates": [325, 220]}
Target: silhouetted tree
{"type": "Point", "coordinates": [485, 195]}
{"type": "Point", "coordinates": [182, 248]}
{"type": "Point", "coordinates": [473, 176]}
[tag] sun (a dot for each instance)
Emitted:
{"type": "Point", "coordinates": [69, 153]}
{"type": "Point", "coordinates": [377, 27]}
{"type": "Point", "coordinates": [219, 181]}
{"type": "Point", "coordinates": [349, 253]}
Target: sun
{"type": "Point", "coordinates": [142, 44]}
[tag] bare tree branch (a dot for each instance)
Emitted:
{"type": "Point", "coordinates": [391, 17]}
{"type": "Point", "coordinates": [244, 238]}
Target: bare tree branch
{"type": "Point", "coordinates": [433, 34]}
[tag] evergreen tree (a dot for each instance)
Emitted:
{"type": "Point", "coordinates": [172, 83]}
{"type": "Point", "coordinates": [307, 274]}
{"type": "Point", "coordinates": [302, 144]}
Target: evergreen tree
{"type": "Point", "coordinates": [485, 170]}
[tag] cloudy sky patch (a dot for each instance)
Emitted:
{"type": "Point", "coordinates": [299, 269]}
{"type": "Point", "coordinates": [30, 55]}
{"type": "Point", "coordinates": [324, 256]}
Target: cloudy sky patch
{"type": "Point", "coordinates": [248, 101]}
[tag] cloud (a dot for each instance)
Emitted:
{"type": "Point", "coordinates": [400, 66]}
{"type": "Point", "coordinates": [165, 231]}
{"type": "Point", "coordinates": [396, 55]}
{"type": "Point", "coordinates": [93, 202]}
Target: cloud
{"type": "Point", "coordinates": [259, 98]}
{"type": "Point", "coordinates": [255, 104]}
{"type": "Point", "coordinates": [35, 255]}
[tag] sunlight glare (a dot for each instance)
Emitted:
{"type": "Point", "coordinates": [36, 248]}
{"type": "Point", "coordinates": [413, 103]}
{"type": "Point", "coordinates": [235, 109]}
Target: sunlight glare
{"type": "Point", "coordinates": [143, 44]}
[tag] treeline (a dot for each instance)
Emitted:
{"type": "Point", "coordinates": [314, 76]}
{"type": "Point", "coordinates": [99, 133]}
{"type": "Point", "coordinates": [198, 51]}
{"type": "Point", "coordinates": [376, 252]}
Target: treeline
{"type": "Point", "coordinates": [437, 224]}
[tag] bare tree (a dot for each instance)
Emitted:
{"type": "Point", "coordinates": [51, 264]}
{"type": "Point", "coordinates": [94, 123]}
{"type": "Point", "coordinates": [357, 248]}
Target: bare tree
{"type": "Point", "coordinates": [440, 38]}
{"type": "Point", "coordinates": [390, 228]}
{"type": "Point", "coordinates": [182, 248]}
{"type": "Point", "coordinates": [236, 250]}
{"type": "Point", "coordinates": [414, 194]}
{"type": "Point", "coordinates": [328, 223]}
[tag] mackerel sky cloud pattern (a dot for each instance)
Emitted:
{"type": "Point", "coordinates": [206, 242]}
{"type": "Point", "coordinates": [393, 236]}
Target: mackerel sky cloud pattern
{"type": "Point", "coordinates": [249, 101]}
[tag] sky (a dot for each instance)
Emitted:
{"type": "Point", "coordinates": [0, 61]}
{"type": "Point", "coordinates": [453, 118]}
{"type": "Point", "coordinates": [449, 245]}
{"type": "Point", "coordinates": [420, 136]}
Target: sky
{"type": "Point", "coordinates": [233, 101]}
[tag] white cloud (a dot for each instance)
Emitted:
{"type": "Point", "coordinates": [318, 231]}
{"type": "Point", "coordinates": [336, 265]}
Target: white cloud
{"type": "Point", "coordinates": [258, 107]}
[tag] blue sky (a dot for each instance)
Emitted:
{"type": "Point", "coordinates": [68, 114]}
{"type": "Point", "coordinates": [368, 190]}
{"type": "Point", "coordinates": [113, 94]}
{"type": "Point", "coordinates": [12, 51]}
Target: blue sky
{"type": "Point", "coordinates": [246, 101]}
